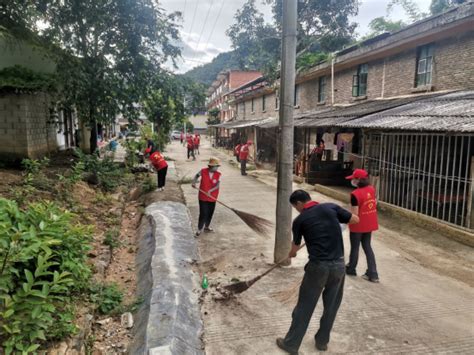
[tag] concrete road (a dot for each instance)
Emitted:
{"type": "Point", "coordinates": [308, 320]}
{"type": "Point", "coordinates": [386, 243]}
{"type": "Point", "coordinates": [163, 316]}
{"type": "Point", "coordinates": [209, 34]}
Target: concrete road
{"type": "Point", "coordinates": [416, 309]}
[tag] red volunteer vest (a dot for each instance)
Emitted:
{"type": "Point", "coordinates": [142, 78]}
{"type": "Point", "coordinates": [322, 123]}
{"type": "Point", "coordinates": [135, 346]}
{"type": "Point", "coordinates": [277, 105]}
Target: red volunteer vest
{"type": "Point", "coordinates": [207, 184]}
{"type": "Point", "coordinates": [190, 142]}
{"type": "Point", "coordinates": [196, 141]}
{"type": "Point", "coordinates": [158, 161]}
{"type": "Point", "coordinates": [244, 152]}
{"type": "Point", "coordinates": [237, 149]}
{"type": "Point", "coordinates": [367, 210]}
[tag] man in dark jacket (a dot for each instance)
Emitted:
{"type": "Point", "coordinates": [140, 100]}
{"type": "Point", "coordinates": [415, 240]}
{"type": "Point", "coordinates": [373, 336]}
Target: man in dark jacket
{"type": "Point", "coordinates": [319, 225]}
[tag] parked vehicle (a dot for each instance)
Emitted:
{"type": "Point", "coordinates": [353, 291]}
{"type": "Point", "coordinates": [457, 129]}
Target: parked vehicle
{"type": "Point", "coordinates": [176, 135]}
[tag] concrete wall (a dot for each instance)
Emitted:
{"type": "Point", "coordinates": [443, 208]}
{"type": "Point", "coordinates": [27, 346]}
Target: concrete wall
{"type": "Point", "coordinates": [24, 131]}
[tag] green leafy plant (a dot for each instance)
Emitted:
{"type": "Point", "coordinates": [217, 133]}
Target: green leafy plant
{"type": "Point", "coordinates": [34, 173]}
{"type": "Point", "coordinates": [102, 172]}
{"type": "Point", "coordinates": [43, 255]}
{"type": "Point", "coordinates": [149, 184]}
{"type": "Point", "coordinates": [107, 297]}
{"type": "Point", "coordinates": [112, 238]}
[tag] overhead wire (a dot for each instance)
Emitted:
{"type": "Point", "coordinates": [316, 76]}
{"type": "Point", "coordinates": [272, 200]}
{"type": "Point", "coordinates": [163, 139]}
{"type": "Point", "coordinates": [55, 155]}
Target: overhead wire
{"type": "Point", "coordinates": [214, 26]}
{"type": "Point", "coordinates": [202, 30]}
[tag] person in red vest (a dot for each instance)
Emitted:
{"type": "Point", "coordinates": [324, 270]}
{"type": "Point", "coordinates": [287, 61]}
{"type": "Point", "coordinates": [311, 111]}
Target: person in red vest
{"type": "Point", "coordinates": [197, 142]}
{"type": "Point", "coordinates": [237, 152]}
{"type": "Point", "coordinates": [161, 166]}
{"type": "Point", "coordinates": [243, 156]}
{"type": "Point", "coordinates": [208, 193]}
{"type": "Point", "coordinates": [364, 204]}
{"type": "Point", "coordinates": [190, 146]}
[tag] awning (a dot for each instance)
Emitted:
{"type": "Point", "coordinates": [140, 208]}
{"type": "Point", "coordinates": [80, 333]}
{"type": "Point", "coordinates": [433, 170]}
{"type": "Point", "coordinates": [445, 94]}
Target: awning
{"type": "Point", "coordinates": [243, 123]}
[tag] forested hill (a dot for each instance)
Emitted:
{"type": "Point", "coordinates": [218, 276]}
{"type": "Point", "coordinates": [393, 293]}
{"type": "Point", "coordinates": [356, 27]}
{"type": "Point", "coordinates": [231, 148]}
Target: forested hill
{"type": "Point", "coordinates": [207, 73]}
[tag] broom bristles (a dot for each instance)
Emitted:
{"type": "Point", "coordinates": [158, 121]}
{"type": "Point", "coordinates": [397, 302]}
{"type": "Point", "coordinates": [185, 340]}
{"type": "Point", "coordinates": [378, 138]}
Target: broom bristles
{"type": "Point", "coordinates": [260, 225]}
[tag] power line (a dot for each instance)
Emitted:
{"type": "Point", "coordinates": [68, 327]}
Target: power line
{"type": "Point", "coordinates": [214, 26]}
{"type": "Point", "coordinates": [203, 27]}
{"type": "Point", "coordinates": [192, 22]}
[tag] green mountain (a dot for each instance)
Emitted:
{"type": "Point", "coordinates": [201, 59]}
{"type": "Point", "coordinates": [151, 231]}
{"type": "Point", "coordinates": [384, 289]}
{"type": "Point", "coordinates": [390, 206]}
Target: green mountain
{"type": "Point", "coordinates": [207, 73]}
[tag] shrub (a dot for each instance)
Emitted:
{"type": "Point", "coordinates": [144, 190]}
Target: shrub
{"type": "Point", "coordinates": [112, 238]}
{"type": "Point", "coordinates": [149, 184]}
{"type": "Point", "coordinates": [43, 256]}
{"type": "Point", "coordinates": [103, 172]}
{"type": "Point", "coordinates": [107, 298]}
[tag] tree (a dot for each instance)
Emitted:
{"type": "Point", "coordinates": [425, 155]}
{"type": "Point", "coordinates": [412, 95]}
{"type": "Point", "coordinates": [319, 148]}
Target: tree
{"type": "Point", "coordinates": [322, 23]}
{"type": "Point", "coordinates": [109, 50]}
{"type": "Point", "coordinates": [213, 116]}
{"type": "Point", "coordinates": [439, 6]}
{"type": "Point", "coordinates": [380, 25]}
{"type": "Point", "coordinates": [256, 44]}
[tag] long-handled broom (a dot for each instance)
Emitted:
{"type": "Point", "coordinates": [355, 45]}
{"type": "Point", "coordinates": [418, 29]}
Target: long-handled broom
{"type": "Point", "coordinates": [260, 225]}
{"type": "Point", "coordinates": [242, 286]}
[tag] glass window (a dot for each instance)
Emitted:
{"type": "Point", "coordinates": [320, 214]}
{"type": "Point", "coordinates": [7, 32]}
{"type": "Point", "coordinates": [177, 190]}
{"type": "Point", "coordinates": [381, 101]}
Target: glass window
{"type": "Point", "coordinates": [424, 65]}
{"type": "Point", "coordinates": [322, 89]}
{"type": "Point", "coordinates": [359, 81]}
{"type": "Point", "coordinates": [263, 102]}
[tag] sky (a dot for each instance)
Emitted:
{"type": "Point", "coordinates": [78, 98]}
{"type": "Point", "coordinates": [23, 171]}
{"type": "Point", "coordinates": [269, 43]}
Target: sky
{"type": "Point", "coordinates": [205, 22]}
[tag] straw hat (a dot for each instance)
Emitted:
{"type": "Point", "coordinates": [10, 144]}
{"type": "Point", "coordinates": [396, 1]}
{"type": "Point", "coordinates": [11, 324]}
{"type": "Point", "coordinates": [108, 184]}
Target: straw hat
{"type": "Point", "coordinates": [214, 162]}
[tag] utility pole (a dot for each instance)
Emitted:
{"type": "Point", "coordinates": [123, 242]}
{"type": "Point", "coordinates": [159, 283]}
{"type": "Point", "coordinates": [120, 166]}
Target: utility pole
{"type": "Point", "coordinates": [285, 156]}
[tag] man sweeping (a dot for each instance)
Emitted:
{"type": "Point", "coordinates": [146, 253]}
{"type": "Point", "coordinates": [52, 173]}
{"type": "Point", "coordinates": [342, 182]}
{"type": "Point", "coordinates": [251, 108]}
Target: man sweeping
{"type": "Point", "coordinates": [208, 193]}
{"type": "Point", "coordinates": [243, 156]}
{"type": "Point", "coordinates": [319, 225]}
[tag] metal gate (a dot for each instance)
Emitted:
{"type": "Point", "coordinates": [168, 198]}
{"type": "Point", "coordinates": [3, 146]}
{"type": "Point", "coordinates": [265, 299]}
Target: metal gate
{"type": "Point", "coordinates": [426, 173]}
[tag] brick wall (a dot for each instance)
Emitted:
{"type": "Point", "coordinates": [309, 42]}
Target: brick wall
{"type": "Point", "coordinates": [24, 131]}
{"type": "Point", "coordinates": [239, 78]}
{"type": "Point", "coordinates": [454, 63]}
{"type": "Point", "coordinates": [453, 69]}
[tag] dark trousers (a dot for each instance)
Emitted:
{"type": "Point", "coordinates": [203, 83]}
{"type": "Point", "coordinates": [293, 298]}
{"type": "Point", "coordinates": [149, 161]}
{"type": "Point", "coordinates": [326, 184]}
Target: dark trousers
{"type": "Point", "coordinates": [162, 177]}
{"type": "Point", "coordinates": [326, 277]}
{"type": "Point", "coordinates": [206, 211]}
{"type": "Point", "coordinates": [243, 166]}
{"type": "Point", "coordinates": [191, 153]}
{"type": "Point", "coordinates": [356, 240]}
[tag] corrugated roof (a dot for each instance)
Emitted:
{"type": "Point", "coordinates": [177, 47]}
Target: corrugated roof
{"type": "Point", "coordinates": [338, 115]}
{"type": "Point", "coordinates": [244, 123]}
{"type": "Point", "coordinates": [452, 112]}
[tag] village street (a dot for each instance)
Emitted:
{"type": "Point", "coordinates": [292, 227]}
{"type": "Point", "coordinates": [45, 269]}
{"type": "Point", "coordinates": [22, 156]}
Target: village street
{"type": "Point", "coordinates": [413, 310]}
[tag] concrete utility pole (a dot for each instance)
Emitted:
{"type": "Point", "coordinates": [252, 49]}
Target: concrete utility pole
{"type": "Point", "coordinates": [285, 156]}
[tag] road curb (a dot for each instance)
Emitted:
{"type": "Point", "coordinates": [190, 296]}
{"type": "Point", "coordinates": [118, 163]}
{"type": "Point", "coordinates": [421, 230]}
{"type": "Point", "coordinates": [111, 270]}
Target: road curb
{"type": "Point", "coordinates": [169, 322]}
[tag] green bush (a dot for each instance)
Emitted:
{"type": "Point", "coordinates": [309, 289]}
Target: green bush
{"type": "Point", "coordinates": [149, 184]}
{"type": "Point", "coordinates": [43, 266]}
{"type": "Point", "coordinates": [34, 173]}
{"type": "Point", "coordinates": [103, 172]}
{"type": "Point", "coordinates": [112, 238]}
{"type": "Point", "coordinates": [108, 298]}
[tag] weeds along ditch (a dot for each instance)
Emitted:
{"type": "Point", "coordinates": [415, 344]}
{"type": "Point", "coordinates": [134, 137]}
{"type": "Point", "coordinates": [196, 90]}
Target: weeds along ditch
{"type": "Point", "coordinates": [49, 225]}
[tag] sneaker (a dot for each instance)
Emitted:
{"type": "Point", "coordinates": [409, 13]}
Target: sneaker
{"type": "Point", "coordinates": [350, 272]}
{"type": "Point", "coordinates": [321, 347]}
{"type": "Point", "coordinates": [281, 344]}
{"type": "Point", "coordinates": [371, 279]}
{"type": "Point", "coordinates": [208, 229]}
{"type": "Point", "coordinates": [198, 233]}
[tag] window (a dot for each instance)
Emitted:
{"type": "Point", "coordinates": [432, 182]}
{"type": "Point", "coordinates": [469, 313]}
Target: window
{"type": "Point", "coordinates": [297, 94]}
{"type": "Point", "coordinates": [424, 65]}
{"type": "Point", "coordinates": [322, 89]}
{"type": "Point", "coordinates": [253, 105]}
{"type": "Point", "coordinates": [243, 108]}
{"type": "Point", "coordinates": [263, 103]}
{"type": "Point", "coordinates": [359, 81]}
